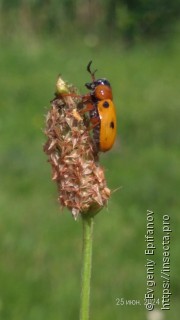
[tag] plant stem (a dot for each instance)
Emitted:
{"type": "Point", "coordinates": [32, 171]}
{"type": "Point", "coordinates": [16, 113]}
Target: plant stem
{"type": "Point", "coordinates": [86, 267]}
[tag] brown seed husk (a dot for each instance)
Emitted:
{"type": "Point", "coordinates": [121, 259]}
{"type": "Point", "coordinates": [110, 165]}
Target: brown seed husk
{"type": "Point", "coordinates": [80, 179]}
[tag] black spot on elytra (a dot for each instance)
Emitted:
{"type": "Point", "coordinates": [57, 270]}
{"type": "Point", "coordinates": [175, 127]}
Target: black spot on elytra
{"type": "Point", "coordinates": [112, 124]}
{"type": "Point", "coordinates": [106, 104]}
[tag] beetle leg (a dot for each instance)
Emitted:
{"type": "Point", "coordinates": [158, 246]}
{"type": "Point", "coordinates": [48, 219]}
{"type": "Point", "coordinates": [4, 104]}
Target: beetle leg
{"type": "Point", "coordinates": [94, 122]}
{"type": "Point", "coordinates": [74, 95]}
{"type": "Point", "coordinates": [89, 107]}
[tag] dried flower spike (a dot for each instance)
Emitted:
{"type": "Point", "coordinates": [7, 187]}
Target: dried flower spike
{"type": "Point", "coordinates": [71, 153]}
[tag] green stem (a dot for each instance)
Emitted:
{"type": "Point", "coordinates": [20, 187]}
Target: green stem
{"type": "Point", "coordinates": [86, 267]}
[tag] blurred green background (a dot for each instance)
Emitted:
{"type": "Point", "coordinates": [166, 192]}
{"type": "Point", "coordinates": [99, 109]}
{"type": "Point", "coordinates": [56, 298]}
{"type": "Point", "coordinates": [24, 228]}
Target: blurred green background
{"type": "Point", "coordinates": [136, 45]}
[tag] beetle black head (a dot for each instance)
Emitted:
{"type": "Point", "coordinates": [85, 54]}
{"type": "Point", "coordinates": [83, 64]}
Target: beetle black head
{"type": "Point", "coordinates": [94, 84]}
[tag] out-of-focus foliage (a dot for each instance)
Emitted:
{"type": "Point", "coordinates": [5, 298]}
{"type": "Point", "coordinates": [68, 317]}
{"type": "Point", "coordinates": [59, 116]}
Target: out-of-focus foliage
{"type": "Point", "coordinates": [40, 246]}
{"type": "Point", "coordinates": [149, 18]}
{"type": "Point", "coordinates": [127, 19]}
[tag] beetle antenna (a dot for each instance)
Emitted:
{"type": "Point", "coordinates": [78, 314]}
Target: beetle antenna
{"type": "Point", "coordinates": [89, 70]}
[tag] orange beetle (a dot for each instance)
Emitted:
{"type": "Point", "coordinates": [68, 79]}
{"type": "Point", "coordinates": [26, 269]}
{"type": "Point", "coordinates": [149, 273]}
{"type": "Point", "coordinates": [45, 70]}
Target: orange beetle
{"type": "Point", "coordinates": [102, 112]}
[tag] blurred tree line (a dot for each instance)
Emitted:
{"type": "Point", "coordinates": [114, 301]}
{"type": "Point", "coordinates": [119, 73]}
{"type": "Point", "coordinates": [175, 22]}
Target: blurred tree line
{"type": "Point", "coordinates": [128, 19]}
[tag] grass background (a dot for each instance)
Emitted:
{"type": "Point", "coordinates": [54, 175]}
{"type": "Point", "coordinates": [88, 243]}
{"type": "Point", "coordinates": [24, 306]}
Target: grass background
{"type": "Point", "coordinates": [40, 246]}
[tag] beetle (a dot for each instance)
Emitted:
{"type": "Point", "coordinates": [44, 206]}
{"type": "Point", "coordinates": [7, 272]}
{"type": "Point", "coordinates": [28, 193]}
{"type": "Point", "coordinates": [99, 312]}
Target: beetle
{"type": "Point", "coordinates": [101, 111]}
